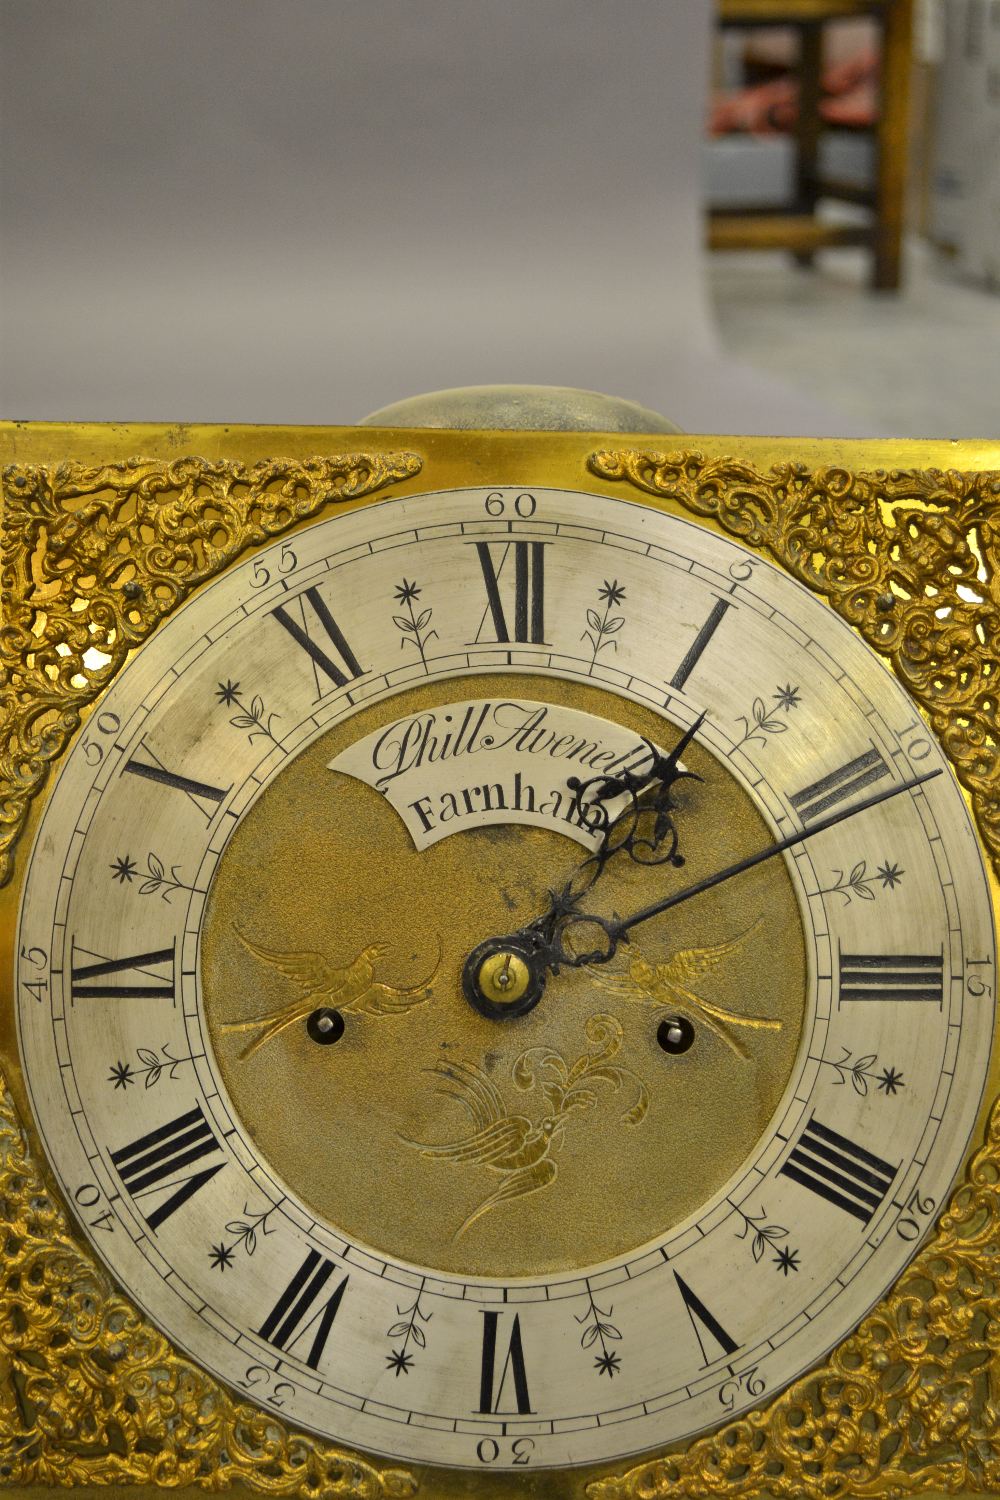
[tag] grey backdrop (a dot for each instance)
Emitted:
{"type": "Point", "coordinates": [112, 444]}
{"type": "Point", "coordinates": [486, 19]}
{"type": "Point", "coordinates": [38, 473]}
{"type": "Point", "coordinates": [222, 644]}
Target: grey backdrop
{"type": "Point", "coordinates": [301, 210]}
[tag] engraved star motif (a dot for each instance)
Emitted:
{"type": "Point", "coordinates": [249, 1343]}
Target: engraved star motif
{"type": "Point", "coordinates": [220, 1256]}
{"type": "Point", "coordinates": [399, 1362]}
{"type": "Point", "coordinates": [890, 875]}
{"type": "Point", "coordinates": [609, 1364]}
{"type": "Point", "coordinates": [613, 592]}
{"type": "Point", "coordinates": [787, 697]}
{"type": "Point", "coordinates": [123, 869]}
{"type": "Point", "coordinates": [227, 692]}
{"type": "Point", "coordinates": [407, 592]}
{"type": "Point", "coordinates": [890, 1081]}
{"type": "Point", "coordinates": [121, 1075]}
{"type": "Point", "coordinates": [787, 1260]}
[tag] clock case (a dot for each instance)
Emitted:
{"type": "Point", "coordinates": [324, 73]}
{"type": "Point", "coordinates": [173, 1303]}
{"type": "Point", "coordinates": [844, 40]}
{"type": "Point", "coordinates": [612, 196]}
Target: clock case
{"type": "Point", "coordinates": [106, 530]}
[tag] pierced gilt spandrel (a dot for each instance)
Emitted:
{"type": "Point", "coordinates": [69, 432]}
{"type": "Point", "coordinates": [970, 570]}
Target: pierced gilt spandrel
{"type": "Point", "coordinates": [94, 556]}
{"type": "Point", "coordinates": [908, 557]}
{"type": "Point", "coordinates": [91, 1395]}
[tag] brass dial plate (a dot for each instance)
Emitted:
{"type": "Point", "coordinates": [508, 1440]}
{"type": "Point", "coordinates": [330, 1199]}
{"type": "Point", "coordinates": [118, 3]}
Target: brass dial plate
{"type": "Point", "coordinates": [900, 1103]}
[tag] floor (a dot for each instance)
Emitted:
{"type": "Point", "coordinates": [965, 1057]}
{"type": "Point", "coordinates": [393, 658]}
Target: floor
{"type": "Point", "coordinates": [922, 363]}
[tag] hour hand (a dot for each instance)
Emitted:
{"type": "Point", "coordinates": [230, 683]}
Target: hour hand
{"type": "Point", "coordinates": [644, 827]}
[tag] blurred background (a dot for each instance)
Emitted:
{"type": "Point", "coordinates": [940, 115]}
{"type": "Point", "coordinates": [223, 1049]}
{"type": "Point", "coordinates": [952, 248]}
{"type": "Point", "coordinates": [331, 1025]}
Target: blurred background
{"type": "Point", "coordinates": [761, 216]}
{"type": "Point", "coordinates": [875, 126]}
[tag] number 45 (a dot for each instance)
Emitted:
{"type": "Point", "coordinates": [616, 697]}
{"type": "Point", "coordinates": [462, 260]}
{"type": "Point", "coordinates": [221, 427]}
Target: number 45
{"type": "Point", "coordinates": [38, 986]}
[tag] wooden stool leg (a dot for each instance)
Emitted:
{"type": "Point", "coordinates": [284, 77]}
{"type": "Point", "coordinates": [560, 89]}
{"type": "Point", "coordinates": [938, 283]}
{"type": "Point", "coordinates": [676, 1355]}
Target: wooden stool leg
{"type": "Point", "coordinates": [893, 125]}
{"type": "Point", "coordinates": [809, 125]}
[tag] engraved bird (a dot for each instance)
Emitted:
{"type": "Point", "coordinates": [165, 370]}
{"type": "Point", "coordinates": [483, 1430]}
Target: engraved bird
{"type": "Point", "coordinates": [666, 986]}
{"type": "Point", "coordinates": [512, 1145]}
{"type": "Point", "coordinates": [349, 989]}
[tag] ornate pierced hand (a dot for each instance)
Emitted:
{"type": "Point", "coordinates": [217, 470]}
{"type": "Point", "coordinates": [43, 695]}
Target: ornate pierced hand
{"type": "Point", "coordinates": [642, 830]}
{"type": "Point", "coordinates": [644, 827]}
{"type": "Point", "coordinates": [543, 946]}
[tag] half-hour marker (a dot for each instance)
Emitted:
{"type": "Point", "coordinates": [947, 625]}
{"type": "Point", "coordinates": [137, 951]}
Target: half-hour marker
{"type": "Point", "coordinates": [528, 591]}
{"type": "Point", "coordinates": [839, 1170]}
{"type": "Point", "coordinates": [151, 1163]}
{"type": "Point", "coordinates": [892, 976]}
{"type": "Point", "coordinates": [838, 786]}
{"type": "Point", "coordinates": [492, 1394]}
{"type": "Point", "coordinates": [200, 792]}
{"type": "Point", "coordinates": [705, 1323]}
{"type": "Point", "coordinates": [699, 643]}
{"type": "Point", "coordinates": [320, 658]}
{"type": "Point", "coordinates": [289, 1320]}
{"type": "Point", "coordinates": [96, 980]}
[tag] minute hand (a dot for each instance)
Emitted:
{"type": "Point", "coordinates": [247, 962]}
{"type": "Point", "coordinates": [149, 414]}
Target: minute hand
{"type": "Point", "coordinates": [617, 930]}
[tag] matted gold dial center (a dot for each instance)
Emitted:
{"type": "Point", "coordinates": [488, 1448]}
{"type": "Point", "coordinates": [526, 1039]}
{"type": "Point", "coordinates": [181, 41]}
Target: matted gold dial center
{"type": "Point", "coordinates": [487, 1124]}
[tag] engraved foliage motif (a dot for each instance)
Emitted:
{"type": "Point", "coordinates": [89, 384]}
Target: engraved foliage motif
{"type": "Point", "coordinates": [910, 1402]}
{"type": "Point", "coordinates": [90, 1393]}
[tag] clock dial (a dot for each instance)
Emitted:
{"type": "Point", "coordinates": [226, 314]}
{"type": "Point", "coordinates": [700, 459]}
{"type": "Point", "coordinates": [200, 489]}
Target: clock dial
{"type": "Point", "coordinates": [486, 1235]}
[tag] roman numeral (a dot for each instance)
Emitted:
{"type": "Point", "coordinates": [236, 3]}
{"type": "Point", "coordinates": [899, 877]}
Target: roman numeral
{"type": "Point", "coordinates": [199, 792]}
{"type": "Point", "coordinates": [892, 976]}
{"type": "Point", "coordinates": [699, 643]}
{"type": "Point", "coordinates": [148, 1164]}
{"type": "Point", "coordinates": [289, 1320]}
{"type": "Point", "coordinates": [836, 1169]}
{"type": "Point", "coordinates": [319, 657]}
{"type": "Point", "coordinates": [491, 1392]}
{"type": "Point", "coordinates": [529, 590]}
{"type": "Point", "coordinates": [818, 798]}
{"type": "Point", "coordinates": [91, 980]}
{"type": "Point", "coordinates": [701, 1319]}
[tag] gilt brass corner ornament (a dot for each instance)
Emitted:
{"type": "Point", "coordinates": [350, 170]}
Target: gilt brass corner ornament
{"type": "Point", "coordinates": [95, 557]}
{"type": "Point", "coordinates": [91, 1393]}
{"type": "Point", "coordinates": [910, 558]}
{"type": "Point", "coordinates": [910, 1403]}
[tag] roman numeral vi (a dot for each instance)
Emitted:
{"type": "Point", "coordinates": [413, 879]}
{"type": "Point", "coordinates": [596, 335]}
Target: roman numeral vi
{"type": "Point", "coordinates": [491, 1391]}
